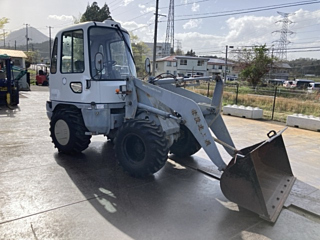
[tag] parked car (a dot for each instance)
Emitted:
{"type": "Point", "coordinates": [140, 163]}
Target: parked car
{"type": "Point", "coordinates": [303, 83]}
{"type": "Point", "coordinates": [314, 87]}
{"type": "Point", "coordinates": [231, 78]}
{"type": "Point", "coordinates": [289, 84]}
{"type": "Point", "coordinates": [275, 82]}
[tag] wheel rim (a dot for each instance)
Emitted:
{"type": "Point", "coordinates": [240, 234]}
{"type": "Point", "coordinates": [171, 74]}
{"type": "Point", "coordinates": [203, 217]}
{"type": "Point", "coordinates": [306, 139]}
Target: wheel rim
{"type": "Point", "coordinates": [134, 148]}
{"type": "Point", "coordinates": [62, 132]}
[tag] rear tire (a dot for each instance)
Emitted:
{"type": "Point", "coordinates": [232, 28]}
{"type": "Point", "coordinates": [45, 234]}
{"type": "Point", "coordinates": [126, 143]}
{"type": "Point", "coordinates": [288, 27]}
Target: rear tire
{"type": "Point", "coordinates": [141, 147]}
{"type": "Point", "coordinates": [186, 145]}
{"type": "Point", "coordinates": [45, 83]}
{"type": "Point", "coordinates": [68, 131]}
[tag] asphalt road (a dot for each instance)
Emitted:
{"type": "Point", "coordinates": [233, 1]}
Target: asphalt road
{"type": "Point", "coordinates": [46, 195]}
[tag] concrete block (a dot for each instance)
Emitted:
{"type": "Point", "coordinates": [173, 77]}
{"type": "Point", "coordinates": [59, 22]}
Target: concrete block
{"type": "Point", "coordinates": [242, 111]}
{"type": "Point", "coordinates": [304, 121]}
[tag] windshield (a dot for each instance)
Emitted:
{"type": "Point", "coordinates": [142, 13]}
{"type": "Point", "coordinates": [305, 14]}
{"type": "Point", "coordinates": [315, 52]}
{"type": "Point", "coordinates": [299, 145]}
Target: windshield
{"type": "Point", "coordinates": [117, 63]}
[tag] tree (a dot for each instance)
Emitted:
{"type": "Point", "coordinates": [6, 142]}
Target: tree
{"type": "Point", "coordinates": [255, 63]}
{"type": "Point", "coordinates": [179, 51]}
{"type": "Point", "coordinates": [139, 50]}
{"type": "Point", "coordinates": [32, 57]}
{"type": "Point", "coordinates": [191, 53]}
{"type": "Point", "coordinates": [3, 21]}
{"type": "Point", "coordinates": [95, 13]}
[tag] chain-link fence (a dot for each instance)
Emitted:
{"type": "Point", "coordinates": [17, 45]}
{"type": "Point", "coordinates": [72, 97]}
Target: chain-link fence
{"type": "Point", "coordinates": [277, 102]}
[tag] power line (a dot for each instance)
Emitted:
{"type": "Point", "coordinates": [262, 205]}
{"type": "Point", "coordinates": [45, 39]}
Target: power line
{"type": "Point", "coordinates": [306, 26]}
{"type": "Point", "coordinates": [188, 3]}
{"type": "Point", "coordinates": [141, 27]}
{"type": "Point", "coordinates": [245, 9]}
{"type": "Point", "coordinates": [242, 11]}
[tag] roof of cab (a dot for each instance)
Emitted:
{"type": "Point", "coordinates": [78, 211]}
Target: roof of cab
{"type": "Point", "coordinates": [86, 25]}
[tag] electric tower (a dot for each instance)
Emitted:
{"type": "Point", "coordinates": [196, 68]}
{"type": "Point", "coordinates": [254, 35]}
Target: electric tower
{"type": "Point", "coordinates": [281, 48]}
{"type": "Point", "coordinates": [169, 42]}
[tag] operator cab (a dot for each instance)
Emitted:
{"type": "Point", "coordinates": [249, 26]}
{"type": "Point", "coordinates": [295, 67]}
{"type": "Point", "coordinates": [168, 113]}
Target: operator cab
{"type": "Point", "coordinates": [91, 60]}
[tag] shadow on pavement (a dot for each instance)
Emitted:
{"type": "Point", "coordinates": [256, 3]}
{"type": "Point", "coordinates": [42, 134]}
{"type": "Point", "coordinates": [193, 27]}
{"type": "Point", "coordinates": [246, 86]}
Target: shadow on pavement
{"type": "Point", "coordinates": [177, 202]}
{"type": "Point", "coordinates": [8, 112]}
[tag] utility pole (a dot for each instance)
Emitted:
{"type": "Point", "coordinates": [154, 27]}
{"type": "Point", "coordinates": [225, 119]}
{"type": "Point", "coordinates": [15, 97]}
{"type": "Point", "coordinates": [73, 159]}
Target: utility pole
{"type": "Point", "coordinates": [15, 44]}
{"type": "Point", "coordinates": [155, 40]}
{"type": "Point", "coordinates": [226, 63]}
{"type": "Point", "coordinates": [49, 40]}
{"type": "Point", "coordinates": [27, 37]}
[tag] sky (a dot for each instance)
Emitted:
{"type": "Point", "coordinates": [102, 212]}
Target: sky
{"type": "Point", "coordinates": [205, 26]}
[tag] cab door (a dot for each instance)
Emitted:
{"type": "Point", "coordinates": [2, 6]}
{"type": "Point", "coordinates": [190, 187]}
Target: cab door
{"type": "Point", "coordinates": [70, 69]}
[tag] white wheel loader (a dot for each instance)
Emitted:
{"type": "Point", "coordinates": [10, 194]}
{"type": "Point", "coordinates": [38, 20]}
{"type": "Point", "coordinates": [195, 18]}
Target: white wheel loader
{"type": "Point", "coordinates": [94, 90]}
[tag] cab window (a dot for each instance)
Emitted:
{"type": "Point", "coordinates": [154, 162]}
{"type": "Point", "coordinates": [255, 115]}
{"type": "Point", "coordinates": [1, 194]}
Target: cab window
{"type": "Point", "coordinates": [72, 57]}
{"type": "Point", "coordinates": [53, 68]}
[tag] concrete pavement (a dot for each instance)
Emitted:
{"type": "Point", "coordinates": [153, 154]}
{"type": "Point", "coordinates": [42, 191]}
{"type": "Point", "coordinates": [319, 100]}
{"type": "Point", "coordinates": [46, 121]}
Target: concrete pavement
{"type": "Point", "coordinates": [46, 195]}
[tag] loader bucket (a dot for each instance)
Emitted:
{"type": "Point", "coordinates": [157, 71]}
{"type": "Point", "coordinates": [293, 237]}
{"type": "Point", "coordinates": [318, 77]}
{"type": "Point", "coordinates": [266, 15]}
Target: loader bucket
{"type": "Point", "coordinates": [261, 179]}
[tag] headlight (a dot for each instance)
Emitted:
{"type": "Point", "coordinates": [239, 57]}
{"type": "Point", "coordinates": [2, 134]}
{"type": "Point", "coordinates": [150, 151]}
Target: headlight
{"type": "Point", "coordinates": [76, 87]}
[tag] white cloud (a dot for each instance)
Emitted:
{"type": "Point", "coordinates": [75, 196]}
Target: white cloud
{"type": "Point", "coordinates": [303, 18]}
{"type": "Point", "coordinates": [131, 25]}
{"type": "Point", "coordinates": [148, 9]}
{"type": "Point", "coordinates": [195, 7]}
{"type": "Point", "coordinates": [193, 23]}
{"type": "Point", "coordinates": [61, 17]}
{"type": "Point", "coordinates": [251, 30]}
{"type": "Point", "coordinates": [126, 2]}
{"type": "Point", "coordinates": [143, 31]}
{"type": "Point", "coordinates": [202, 44]}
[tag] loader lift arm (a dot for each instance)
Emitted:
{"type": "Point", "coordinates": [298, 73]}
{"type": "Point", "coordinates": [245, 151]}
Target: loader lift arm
{"type": "Point", "coordinates": [258, 177]}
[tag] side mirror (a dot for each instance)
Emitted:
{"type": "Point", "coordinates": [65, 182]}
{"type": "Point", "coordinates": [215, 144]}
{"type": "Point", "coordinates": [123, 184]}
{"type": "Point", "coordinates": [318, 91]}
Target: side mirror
{"type": "Point", "coordinates": [147, 66]}
{"type": "Point", "coordinates": [98, 61]}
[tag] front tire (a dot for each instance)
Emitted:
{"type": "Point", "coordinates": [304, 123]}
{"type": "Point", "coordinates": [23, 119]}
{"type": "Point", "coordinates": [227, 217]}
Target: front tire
{"type": "Point", "coordinates": [68, 131]}
{"type": "Point", "coordinates": [141, 147]}
{"type": "Point", "coordinates": [186, 145]}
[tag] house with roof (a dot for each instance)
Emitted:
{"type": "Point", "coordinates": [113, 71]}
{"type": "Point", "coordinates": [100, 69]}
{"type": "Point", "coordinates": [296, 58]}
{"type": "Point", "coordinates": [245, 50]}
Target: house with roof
{"type": "Point", "coordinates": [182, 66]}
{"type": "Point", "coordinates": [218, 66]}
{"type": "Point", "coordinates": [279, 70]}
{"type": "Point", "coordinates": [19, 60]}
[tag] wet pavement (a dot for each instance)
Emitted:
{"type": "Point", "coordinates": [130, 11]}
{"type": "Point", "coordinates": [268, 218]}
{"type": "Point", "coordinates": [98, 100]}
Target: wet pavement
{"type": "Point", "coordinates": [46, 195]}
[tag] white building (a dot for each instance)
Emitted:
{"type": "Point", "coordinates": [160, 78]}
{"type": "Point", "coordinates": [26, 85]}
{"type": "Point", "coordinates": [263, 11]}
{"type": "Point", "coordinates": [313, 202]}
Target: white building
{"type": "Point", "coordinates": [182, 65]}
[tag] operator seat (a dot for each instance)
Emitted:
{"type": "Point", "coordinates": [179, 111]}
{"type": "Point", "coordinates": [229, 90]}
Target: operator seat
{"type": "Point", "coordinates": [79, 66]}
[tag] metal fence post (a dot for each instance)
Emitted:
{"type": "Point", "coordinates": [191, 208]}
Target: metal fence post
{"type": "Point", "coordinates": [208, 89]}
{"type": "Point", "coordinates": [274, 101]}
{"type": "Point", "coordinates": [237, 93]}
